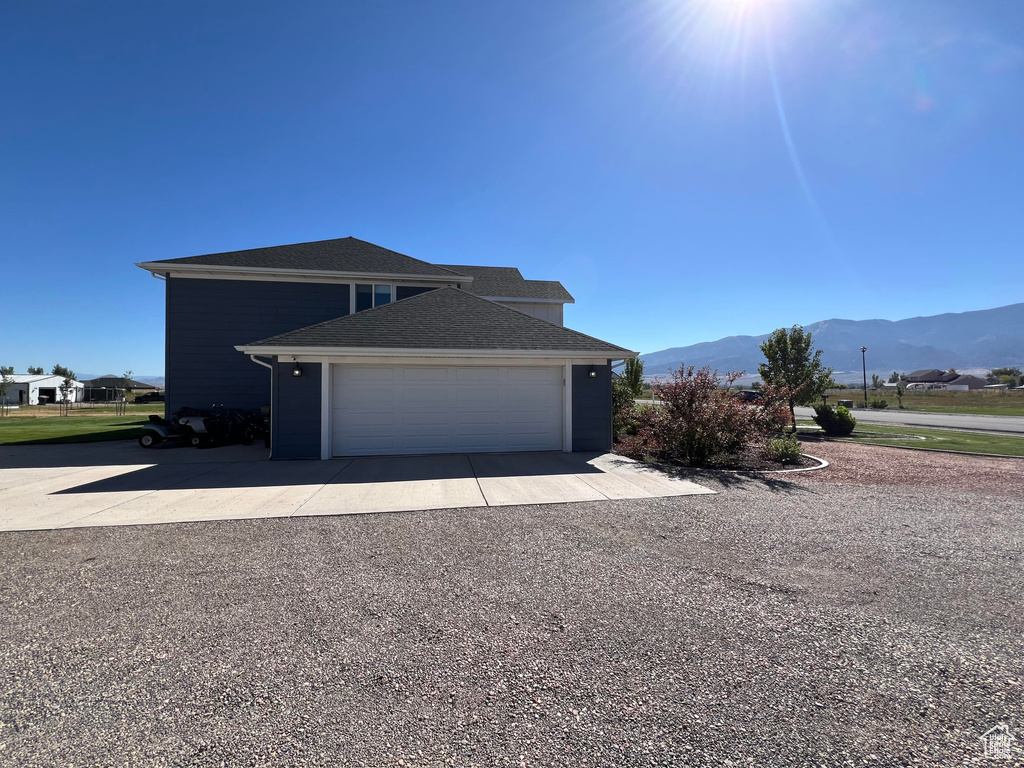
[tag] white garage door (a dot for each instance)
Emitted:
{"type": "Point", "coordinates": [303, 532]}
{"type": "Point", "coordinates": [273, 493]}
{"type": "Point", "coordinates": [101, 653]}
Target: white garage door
{"type": "Point", "coordinates": [423, 409]}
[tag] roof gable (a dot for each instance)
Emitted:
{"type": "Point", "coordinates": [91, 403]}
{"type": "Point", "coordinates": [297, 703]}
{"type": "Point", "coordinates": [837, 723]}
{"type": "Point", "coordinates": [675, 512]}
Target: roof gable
{"type": "Point", "coordinates": [111, 380]}
{"type": "Point", "coordinates": [443, 319]}
{"type": "Point", "coordinates": [508, 282]}
{"type": "Point", "coordinates": [926, 375]}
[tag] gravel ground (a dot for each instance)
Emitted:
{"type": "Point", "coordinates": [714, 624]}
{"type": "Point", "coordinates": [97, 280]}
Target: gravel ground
{"type": "Point", "coordinates": [868, 614]}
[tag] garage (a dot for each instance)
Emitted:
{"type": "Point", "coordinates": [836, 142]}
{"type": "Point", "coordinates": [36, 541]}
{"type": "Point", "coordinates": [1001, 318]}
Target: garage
{"type": "Point", "coordinates": [417, 409]}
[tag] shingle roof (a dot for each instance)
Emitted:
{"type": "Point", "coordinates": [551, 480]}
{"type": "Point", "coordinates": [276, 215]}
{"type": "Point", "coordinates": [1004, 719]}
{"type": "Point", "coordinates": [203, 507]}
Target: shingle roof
{"type": "Point", "coordinates": [351, 255]}
{"type": "Point", "coordinates": [29, 378]}
{"type": "Point", "coordinates": [508, 282]}
{"type": "Point", "coordinates": [115, 381]}
{"type": "Point", "coordinates": [345, 254]}
{"type": "Point", "coordinates": [931, 375]}
{"type": "Point", "coordinates": [446, 318]}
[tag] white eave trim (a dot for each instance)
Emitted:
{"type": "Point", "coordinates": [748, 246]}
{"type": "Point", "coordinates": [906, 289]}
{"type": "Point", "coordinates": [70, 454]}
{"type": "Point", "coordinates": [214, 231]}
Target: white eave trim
{"type": "Point", "coordinates": [420, 352]}
{"type": "Point", "coordinates": [524, 300]}
{"type": "Point", "coordinates": [214, 271]}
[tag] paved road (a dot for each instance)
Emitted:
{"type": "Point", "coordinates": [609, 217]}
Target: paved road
{"type": "Point", "coordinates": [1012, 424]}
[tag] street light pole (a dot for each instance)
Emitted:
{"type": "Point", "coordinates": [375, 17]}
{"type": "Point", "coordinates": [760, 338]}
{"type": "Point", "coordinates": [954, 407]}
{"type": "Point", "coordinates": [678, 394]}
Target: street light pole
{"type": "Point", "coordinates": [864, 363]}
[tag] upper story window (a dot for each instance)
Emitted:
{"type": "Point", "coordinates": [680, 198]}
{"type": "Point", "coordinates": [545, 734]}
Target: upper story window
{"type": "Point", "coordinates": [406, 291]}
{"type": "Point", "coordinates": [369, 295]}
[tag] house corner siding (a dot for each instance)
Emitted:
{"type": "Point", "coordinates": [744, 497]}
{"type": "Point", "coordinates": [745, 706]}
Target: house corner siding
{"type": "Point", "coordinates": [207, 319]}
{"type": "Point", "coordinates": [295, 412]}
{"type": "Point", "coordinates": [591, 408]}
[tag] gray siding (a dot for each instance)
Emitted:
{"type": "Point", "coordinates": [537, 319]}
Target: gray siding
{"type": "Point", "coordinates": [295, 412]}
{"type": "Point", "coordinates": [591, 408]}
{"type": "Point", "coordinates": [207, 318]}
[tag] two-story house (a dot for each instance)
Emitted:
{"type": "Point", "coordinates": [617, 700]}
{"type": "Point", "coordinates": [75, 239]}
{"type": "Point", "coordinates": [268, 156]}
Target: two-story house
{"type": "Point", "coordinates": [360, 350]}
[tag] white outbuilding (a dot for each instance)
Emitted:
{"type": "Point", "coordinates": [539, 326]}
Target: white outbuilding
{"type": "Point", "coordinates": [30, 389]}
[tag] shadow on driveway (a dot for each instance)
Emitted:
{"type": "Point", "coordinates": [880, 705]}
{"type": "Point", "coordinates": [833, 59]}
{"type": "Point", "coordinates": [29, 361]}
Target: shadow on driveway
{"type": "Point", "coordinates": [257, 472]}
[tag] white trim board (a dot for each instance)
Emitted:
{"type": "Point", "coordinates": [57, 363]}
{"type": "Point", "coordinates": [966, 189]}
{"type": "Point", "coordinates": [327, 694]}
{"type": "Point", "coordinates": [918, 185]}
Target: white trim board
{"type": "Point", "coordinates": [184, 270]}
{"type": "Point", "coordinates": [376, 352]}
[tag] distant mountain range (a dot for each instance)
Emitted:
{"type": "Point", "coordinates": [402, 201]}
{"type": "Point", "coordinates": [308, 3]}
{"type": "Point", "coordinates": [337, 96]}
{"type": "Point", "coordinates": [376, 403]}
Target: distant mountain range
{"type": "Point", "coordinates": [985, 338]}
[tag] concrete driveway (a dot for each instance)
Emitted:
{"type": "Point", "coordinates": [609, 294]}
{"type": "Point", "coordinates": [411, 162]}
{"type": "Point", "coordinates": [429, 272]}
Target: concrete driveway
{"type": "Point", "coordinates": [118, 483]}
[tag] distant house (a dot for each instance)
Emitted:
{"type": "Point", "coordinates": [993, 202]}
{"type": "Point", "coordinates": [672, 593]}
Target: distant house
{"type": "Point", "coordinates": [963, 383]}
{"type": "Point", "coordinates": [32, 389]}
{"type": "Point", "coordinates": [110, 387]}
{"type": "Point", "coordinates": [933, 378]}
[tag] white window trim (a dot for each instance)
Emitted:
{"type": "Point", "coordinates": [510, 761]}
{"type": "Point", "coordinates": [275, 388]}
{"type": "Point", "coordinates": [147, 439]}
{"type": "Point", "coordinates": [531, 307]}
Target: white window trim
{"type": "Point", "coordinates": [373, 293]}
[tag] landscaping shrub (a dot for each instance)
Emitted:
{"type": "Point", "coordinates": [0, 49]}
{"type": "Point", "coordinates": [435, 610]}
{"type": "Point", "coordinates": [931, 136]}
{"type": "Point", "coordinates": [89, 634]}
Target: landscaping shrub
{"type": "Point", "coordinates": [836, 422]}
{"type": "Point", "coordinates": [623, 409]}
{"type": "Point", "coordinates": [698, 423]}
{"type": "Point", "coordinates": [640, 439]}
{"type": "Point", "coordinates": [625, 390]}
{"type": "Point", "coordinates": [785, 450]}
{"type": "Point", "coordinates": [878, 403]}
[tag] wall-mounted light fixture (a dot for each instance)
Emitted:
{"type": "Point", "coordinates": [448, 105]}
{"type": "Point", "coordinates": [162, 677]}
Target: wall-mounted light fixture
{"type": "Point", "coordinates": [592, 373]}
{"type": "Point", "coordinates": [297, 370]}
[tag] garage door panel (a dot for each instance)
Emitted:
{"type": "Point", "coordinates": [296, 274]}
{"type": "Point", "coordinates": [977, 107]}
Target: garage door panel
{"type": "Point", "coordinates": [530, 442]}
{"type": "Point", "coordinates": [425, 374]}
{"type": "Point", "coordinates": [422, 396]}
{"type": "Point", "coordinates": [475, 442]}
{"type": "Point", "coordinates": [543, 375]}
{"type": "Point", "coordinates": [426, 419]}
{"type": "Point", "coordinates": [375, 397]}
{"type": "Point", "coordinates": [478, 374]}
{"type": "Point", "coordinates": [480, 397]}
{"type": "Point", "coordinates": [527, 397]}
{"type": "Point", "coordinates": [478, 418]}
{"type": "Point", "coordinates": [428, 444]}
{"type": "Point", "coordinates": [532, 419]}
{"type": "Point", "coordinates": [365, 373]}
{"type": "Point", "coordinates": [368, 418]}
{"type": "Point", "coordinates": [432, 409]}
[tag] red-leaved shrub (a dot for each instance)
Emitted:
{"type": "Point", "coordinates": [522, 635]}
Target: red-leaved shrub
{"type": "Point", "coordinates": [697, 423]}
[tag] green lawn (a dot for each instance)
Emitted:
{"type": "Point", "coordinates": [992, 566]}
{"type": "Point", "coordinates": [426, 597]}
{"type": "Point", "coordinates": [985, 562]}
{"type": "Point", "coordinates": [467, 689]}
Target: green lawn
{"type": "Point", "coordinates": [69, 429]}
{"type": "Point", "coordinates": [985, 402]}
{"type": "Point", "coordinates": [939, 439]}
{"type": "Point", "coordinates": [983, 410]}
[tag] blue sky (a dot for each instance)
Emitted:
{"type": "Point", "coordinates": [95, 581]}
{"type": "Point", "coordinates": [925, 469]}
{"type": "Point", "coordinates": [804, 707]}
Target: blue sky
{"type": "Point", "coordinates": [689, 170]}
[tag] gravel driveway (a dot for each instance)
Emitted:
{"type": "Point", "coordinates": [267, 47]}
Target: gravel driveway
{"type": "Point", "coordinates": [868, 614]}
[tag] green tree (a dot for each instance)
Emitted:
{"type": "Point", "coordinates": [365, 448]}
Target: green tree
{"type": "Point", "coordinates": [35, 370]}
{"type": "Point", "coordinates": [894, 378]}
{"type": "Point", "coordinates": [5, 385]}
{"type": "Point", "coordinates": [625, 390]}
{"type": "Point", "coordinates": [633, 376]}
{"type": "Point", "coordinates": [66, 386]}
{"type": "Point", "coordinates": [876, 381]}
{"type": "Point", "coordinates": [122, 403]}
{"type": "Point", "coordinates": [794, 368]}
{"type": "Point", "coordinates": [1011, 376]}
